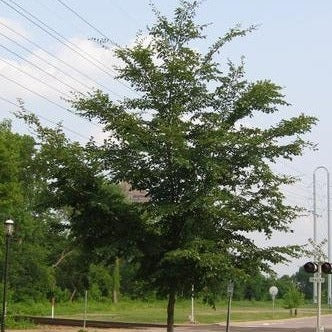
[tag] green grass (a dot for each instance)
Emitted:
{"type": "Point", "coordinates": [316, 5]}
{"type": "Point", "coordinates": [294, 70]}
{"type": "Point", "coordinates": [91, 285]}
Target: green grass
{"type": "Point", "coordinates": [19, 323]}
{"type": "Point", "coordinates": [154, 311]}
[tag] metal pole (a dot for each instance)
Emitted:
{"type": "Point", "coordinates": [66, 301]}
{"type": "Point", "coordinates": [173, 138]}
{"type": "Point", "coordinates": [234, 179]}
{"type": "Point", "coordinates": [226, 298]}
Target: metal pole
{"type": "Point", "coordinates": [314, 293]}
{"type": "Point", "coordinates": [52, 306]}
{"type": "Point", "coordinates": [5, 273]}
{"type": "Point", "coordinates": [85, 308]}
{"type": "Point", "coordinates": [228, 312]}
{"type": "Point", "coordinates": [192, 304]}
{"type": "Point", "coordinates": [319, 297]}
{"type": "Point", "coordinates": [230, 294]}
{"type": "Point", "coordinates": [329, 280]}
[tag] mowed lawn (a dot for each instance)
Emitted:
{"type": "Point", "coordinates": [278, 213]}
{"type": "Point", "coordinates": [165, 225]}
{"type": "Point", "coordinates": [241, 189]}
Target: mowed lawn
{"type": "Point", "coordinates": [154, 311]}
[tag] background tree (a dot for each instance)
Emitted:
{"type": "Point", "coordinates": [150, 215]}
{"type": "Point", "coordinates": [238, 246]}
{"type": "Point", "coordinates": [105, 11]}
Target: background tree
{"type": "Point", "coordinates": [98, 222]}
{"type": "Point", "coordinates": [184, 140]}
{"type": "Point", "coordinates": [256, 287]}
{"type": "Point", "coordinates": [19, 188]}
{"type": "Point", "coordinates": [284, 283]}
{"type": "Point", "coordinates": [293, 298]}
{"type": "Point", "coordinates": [301, 278]}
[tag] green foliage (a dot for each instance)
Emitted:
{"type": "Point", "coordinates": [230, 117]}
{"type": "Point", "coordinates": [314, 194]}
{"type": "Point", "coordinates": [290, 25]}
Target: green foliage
{"type": "Point", "coordinates": [293, 298]}
{"type": "Point", "coordinates": [207, 174]}
{"type": "Point", "coordinates": [19, 323]}
{"type": "Point", "coordinates": [88, 209]}
{"type": "Point", "coordinates": [302, 280]}
{"type": "Point", "coordinates": [94, 208]}
{"type": "Point", "coordinates": [184, 140]}
{"type": "Point", "coordinates": [284, 283]}
{"type": "Point", "coordinates": [256, 287]}
{"type": "Point", "coordinates": [71, 276]}
{"type": "Point", "coordinates": [19, 187]}
{"type": "Point", "coordinates": [189, 140]}
{"type": "Point", "coordinates": [100, 282]}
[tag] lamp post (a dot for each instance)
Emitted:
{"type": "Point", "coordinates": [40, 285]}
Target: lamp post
{"type": "Point", "coordinates": [9, 230]}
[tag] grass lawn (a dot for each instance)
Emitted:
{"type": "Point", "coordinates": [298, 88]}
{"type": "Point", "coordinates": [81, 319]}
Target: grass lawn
{"type": "Point", "coordinates": [154, 311]}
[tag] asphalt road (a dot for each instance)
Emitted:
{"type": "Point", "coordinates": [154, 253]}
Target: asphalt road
{"type": "Point", "coordinates": [289, 325]}
{"type": "Point", "coordinates": [247, 329]}
{"type": "Point", "coordinates": [307, 324]}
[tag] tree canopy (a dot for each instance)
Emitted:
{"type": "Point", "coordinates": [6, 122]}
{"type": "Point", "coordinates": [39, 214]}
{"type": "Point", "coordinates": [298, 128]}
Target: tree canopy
{"type": "Point", "coordinates": [183, 138]}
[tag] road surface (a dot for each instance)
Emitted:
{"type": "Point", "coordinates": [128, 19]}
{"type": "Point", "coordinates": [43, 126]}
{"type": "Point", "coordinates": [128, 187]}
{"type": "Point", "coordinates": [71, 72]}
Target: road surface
{"type": "Point", "coordinates": [307, 324]}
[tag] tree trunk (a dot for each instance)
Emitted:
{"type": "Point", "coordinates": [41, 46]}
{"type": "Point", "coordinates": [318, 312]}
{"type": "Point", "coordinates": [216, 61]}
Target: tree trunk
{"type": "Point", "coordinates": [170, 311]}
{"type": "Point", "coordinates": [115, 296]}
{"type": "Point", "coordinates": [72, 295]}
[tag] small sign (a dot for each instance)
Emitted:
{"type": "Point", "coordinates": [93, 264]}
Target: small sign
{"type": "Point", "coordinates": [230, 289]}
{"type": "Point", "coordinates": [316, 279]}
{"type": "Point", "coordinates": [273, 290]}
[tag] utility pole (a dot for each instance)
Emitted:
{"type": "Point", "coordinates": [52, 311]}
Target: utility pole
{"type": "Point", "coordinates": [317, 268]}
{"type": "Point", "coordinates": [329, 253]}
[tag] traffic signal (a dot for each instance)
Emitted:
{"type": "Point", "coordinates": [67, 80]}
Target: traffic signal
{"type": "Point", "coordinates": [327, 268]}
{"type": "Point", "coordinates": [311, 267]}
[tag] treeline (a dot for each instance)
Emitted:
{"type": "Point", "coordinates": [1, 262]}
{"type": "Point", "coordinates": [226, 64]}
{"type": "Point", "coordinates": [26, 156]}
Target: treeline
{"type": "Point", "coordinates": [48, 260]}
{"type": "Point", "coordinates": [45, 258]}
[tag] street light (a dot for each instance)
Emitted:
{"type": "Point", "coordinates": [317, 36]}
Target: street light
{"type": "Point", "coordinates": [9, 230]}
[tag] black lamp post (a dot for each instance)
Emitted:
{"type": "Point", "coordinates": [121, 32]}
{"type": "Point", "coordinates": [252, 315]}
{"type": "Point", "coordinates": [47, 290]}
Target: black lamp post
{"type": "Point", "coordinates": [9, 230]}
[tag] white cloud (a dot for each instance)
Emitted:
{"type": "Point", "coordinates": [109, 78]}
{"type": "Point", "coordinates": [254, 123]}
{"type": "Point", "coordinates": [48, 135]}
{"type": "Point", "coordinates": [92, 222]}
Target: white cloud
{"type": "Point", "coordinates": [6, 27]}
{"type": "Point", "coordinates": [57, 78]}
{"type": "Point", "coordinates": [27, 75]}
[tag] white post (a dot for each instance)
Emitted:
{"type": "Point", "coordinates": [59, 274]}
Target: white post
{"type": "Point", "coordinates": [230, 289]}
{"type": "Point", "coordinates": [329, 280]}
{"type": "Point", "coordinates": [52, 304]}
{"type": "Point", "coordinates": [192, 319]}
{"type": "Point", "coordinates": [315, 230]}
{"type": "Point", "coordinates": [319, 296]}
{"type": "Point", "coordinates": [329, 256]}
{"type": "Point", "coordinates": [85, 308]}
{"type": "Point", "coordinates": [273, 290]}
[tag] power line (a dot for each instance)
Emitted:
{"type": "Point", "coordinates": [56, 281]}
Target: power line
{"type": "Point", "coordinates": [38, 94]}
{"type": "Point", "coordinates": [44, 118]}
{"type": "Point", "coordinates": [34, 65]}
{"type": "Point", "coordinates": [33, 77]}
{"type": "Point", "coordinates": [58, 59]}
{"type": "Point", "coordinates": [98, 31]}
{"type": "Point", "coordinates": [131, 17]}
{"type": "Point", "coordinates": [67, 42]}
{"type": "Point", "coordinates": [300, 186]}
{"type": "Point", "coordinates": [88, 23]}
{"type": "Point", "coordinates": [47, 99]}
{"type": "Point", "coordinates": [296, 194]}
{"type": "Point", "coordinates": [55, 32]}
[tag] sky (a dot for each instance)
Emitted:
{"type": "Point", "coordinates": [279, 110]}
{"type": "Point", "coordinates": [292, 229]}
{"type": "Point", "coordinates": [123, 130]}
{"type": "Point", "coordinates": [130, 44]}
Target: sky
{"type": "Point", "coordinates": [291, 46]}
